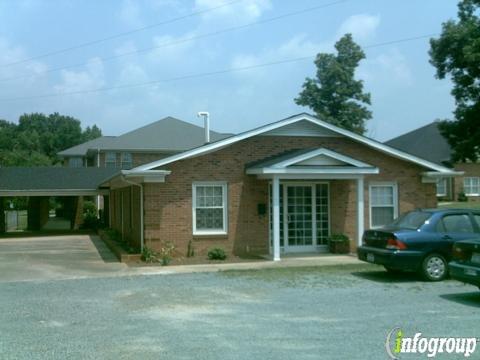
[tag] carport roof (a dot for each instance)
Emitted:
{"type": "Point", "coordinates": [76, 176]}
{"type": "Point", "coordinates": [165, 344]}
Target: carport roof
{"type": "Point", "coordinates": [53, 181]}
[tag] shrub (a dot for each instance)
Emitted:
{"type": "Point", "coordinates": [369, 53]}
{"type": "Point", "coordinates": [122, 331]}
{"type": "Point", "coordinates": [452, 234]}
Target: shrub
{"type": "Point", "coordinates": [462, 197]}
{"type": "Point", "coordinates": [339, 244]}
{"type": "Point", "coordinates": [166, 252]}
{"type": "Point", "coordinates": [217, 254]}
{"type": "Point", "coordinates": [341, 238]}
{"type": "Point", "coordinates": [114, 235]}
{"type": "Point", "coordinates": [90, 219]}
{"type": "Point", "coordinates": [149, 255]}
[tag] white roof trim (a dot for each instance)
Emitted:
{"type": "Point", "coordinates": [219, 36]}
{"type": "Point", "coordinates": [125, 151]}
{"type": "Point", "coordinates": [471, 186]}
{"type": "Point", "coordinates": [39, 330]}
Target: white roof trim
{"type": "Point", "coordinates": [233, 139]}
{"type": "Point", "coordinates": [314, 170]}
{"type": "Point", "coordinates": [318, 152]}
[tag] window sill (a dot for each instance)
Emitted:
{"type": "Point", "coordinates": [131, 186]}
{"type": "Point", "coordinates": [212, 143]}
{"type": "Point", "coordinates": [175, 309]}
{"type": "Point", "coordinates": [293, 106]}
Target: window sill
{"type": "Point", "coordinates": [210, 235]}
{"type": "Point", "coordinates": [472, 194]}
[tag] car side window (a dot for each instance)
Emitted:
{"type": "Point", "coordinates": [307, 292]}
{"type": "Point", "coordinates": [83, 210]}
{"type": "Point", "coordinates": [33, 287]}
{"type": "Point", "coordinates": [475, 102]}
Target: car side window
{"type": "Point", "coordinates": [457, 223]}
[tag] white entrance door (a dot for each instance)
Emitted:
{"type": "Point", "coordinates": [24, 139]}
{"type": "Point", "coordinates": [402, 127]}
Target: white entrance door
{"type": "Point", "coordinates": [300, 219]}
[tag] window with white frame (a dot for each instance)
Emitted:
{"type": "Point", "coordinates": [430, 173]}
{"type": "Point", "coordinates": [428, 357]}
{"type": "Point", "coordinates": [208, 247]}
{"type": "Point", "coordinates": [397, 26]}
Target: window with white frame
{"type": "Point", "coordinates": [209, 208]}
{"type": "Point", "coordinates": [471, 186]}
{"type": "Point", "coordinates": [75, 162]}
{"type": "Point", "coordinates": [442, 187]}
{"type": "Point", "coordinates": [126, 160]}
{"type": "Point", "coordinates": [110, 159]}
{"type": "Point", "coordinates": [383, 203]}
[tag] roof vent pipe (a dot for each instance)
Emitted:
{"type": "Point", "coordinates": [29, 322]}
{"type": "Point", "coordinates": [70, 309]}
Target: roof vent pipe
{"type": "Point", "coordinates": [206, 124]}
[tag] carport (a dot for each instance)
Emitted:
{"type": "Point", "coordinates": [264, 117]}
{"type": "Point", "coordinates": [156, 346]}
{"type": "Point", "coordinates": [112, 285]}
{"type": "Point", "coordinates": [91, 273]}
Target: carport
{"type": "Point", "coordinates": [39, 184]}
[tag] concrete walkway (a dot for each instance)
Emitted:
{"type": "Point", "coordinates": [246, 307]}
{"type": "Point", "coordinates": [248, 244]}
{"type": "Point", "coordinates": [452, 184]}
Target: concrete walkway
{"type": "Point", "coordinates": [85, 256]}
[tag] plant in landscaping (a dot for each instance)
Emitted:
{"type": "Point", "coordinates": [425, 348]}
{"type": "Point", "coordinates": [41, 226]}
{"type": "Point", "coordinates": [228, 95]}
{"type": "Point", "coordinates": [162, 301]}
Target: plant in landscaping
{"type": "Point", "coordinates": [217, 254]}
{"type": "Point", "coordinates": [339, 244]}
{"type": "Point", "coordinates": [462, 197]}
{"type": "Point", "coordinates": [149, 255]}
{"type": "Point", "coordinates": [166, 252]}
{"type": "Point", "coordinates": [190, 249]}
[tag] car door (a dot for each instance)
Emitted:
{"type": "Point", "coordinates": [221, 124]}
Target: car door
{"type": "Point", "coordinates": [454, 227]}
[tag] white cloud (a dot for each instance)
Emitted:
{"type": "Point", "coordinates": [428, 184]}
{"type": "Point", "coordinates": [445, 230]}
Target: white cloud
{"type": "Point", "coordinates": [395, 65]}
{"type": "Point", "coordinates": [90, 78]}
{"type": "Point", "coordinates": [239, 12]}
{"type": "Point", "coordinates": [130, 13]}
{"type": "Point", "coordinates": [361, 26]}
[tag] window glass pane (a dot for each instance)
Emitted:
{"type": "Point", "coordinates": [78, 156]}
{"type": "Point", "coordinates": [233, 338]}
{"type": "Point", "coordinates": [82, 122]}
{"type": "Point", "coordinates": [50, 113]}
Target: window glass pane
{"type": "Point", "coordinates": [382, 195]}
{"type": "Point", "coordinates": [458, 223]}
{"type": "Point", "coordinates": [110, 159]}
{"type": "Point", "coordinates": [209, 219]}
{"type": "Point", "coordinates": [75, 162]}
{"type": "Point", "coordinates": [442, 187]}
{"type": "Point", "coordinates": [382, 215]}
{"type": "Point", "coordinates": [126, 159]}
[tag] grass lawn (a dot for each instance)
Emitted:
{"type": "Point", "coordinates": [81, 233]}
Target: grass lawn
{"type": "Point", "coordinates": [459, 205]}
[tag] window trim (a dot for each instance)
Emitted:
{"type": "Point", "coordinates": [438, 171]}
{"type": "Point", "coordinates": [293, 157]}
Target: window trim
{"type": "Point", "coordinates": [224, 186]}
{"type": "Point", "coordinates": [478, 186]}
{"type": "Point", "coordinates": [109, 162]}
{"type": "Point", "coordinates": [391, 184]}
{"type": "Point", "coordinates": [445, 193]}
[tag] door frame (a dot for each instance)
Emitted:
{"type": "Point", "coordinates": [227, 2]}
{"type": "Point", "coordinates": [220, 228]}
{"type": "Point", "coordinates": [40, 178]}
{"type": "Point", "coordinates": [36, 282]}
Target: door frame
{"type": "Point", "coordinates": [315, 247]}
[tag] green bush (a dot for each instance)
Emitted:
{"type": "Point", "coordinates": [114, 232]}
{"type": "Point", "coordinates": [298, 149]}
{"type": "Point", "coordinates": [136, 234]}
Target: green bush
{"type": "Point", "coordinates": [462, 197]}
{"type": "Point", "coordinates": [340, 238]}
{"type": "Point", "coordinates": [217, 254]}
{"type": "Point", "coordinates": [90, 219]}
{"type": "Point", "coordinates": [114, 235]}
{"type": "Point", "coordinates": [149, 255]}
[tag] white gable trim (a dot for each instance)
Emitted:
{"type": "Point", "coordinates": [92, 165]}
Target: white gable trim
{"type": "Point", "coordinates": [318, 152]}
{"type": "Point", "coordinates": [263, 129]}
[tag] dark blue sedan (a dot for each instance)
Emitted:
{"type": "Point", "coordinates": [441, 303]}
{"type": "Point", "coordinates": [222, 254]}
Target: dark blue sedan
{"type": "Point", "coordinates": [420, 240]}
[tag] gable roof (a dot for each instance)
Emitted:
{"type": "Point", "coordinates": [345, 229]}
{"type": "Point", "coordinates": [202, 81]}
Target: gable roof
{"type": "Point", "coordinates": [53, 178]}
{"type": "Point", "coordinates": [81, 149]}
{"type": "Point", "coordinates": [316, 160]}
{"type": "Point", "coordinates": [165, 135]}
{"type": "Point", "coordinates": [290, 120]}
{"type": "Point", "coordinates": [426, 142]}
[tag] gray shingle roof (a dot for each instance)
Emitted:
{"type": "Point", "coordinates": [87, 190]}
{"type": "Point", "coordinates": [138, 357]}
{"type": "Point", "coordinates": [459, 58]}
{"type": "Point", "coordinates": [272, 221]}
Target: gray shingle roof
{"type": "Point", "coordinates": [165, 135]}
{"type": "Point", "coordinates": [53, 178]}
{"type": "Point", "coordinates": [426, 142]}
{"type": "Point", "coordinates": [81, 150]}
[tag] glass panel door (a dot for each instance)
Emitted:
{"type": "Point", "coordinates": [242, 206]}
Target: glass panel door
{"type": "Point", "coordinates": [300, 215]}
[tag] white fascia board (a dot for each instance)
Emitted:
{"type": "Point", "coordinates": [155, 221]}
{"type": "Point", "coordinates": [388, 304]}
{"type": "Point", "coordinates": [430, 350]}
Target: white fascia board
{"type": "Point", "coordinates": [258, 131]}
{"type": "Point", "coordinates": [330, 171]}
{"type": "Point", "coordinates": [437, 174]}
{"type": "Point", "coordinates": [322, 151]}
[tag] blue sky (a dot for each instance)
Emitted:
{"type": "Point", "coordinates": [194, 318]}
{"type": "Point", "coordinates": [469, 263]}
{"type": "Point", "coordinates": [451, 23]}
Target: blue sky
{"type": "Point", "coordinates": [405, 93]}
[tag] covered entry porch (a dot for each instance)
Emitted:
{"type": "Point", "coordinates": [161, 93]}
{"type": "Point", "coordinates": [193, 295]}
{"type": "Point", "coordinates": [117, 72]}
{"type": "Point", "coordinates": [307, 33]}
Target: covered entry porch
{"type": "Point", "coordinates": [307, 187]}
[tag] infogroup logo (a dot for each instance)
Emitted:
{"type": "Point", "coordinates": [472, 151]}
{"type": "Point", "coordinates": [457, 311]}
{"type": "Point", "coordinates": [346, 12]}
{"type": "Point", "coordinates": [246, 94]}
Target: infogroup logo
{"type": "Point", "coordinates": [397, 343]}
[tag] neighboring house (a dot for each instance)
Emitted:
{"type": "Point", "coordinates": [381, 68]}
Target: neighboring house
{"type": "Point", "coordinates": [427, 142]}
{"type": "Point", "coordinates": [282, 187]}
{"type": "Point", "coordinates": [148, 143]}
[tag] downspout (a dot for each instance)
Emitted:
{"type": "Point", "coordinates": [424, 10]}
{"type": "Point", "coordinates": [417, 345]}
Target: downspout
{"type": "Point", "coordinates": [141, 211]}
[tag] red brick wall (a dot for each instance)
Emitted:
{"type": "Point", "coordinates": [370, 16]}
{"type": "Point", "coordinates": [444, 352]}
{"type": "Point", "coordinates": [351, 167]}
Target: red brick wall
{"type": "Point", "coordinates": [168, 206]}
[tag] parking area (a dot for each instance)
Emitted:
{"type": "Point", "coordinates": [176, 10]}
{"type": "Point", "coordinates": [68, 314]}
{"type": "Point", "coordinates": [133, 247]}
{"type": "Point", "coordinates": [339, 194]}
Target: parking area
{"type": "Point", "coordinates": [55, 257]}
{"type": "Point", "coordinates": [331, 312]}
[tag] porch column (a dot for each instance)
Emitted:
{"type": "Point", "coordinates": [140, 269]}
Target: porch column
{"type": "Point", "coordinates": [276, 217]}
{"type": "Point", "coordinates": [360, 210]}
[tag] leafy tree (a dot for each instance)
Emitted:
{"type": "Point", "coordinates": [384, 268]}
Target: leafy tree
{"type": "Point", "coordinates": [37, 138]}
{"type": "Point", "coordinates": [457, 53]}
{"type": "Point", "coordinates": [334, 94]}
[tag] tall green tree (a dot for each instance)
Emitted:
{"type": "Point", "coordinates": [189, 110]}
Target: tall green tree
{"type": "Point", "coordinates": [457, 53]}
{"type": "Point", "coordinates": [335, 95]}
{"type": "Point", "coordinates": [37, 138]}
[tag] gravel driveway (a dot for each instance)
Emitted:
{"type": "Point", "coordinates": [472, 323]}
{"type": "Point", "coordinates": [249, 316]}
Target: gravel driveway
{"type": "Point", "coordinates": [308, 313]}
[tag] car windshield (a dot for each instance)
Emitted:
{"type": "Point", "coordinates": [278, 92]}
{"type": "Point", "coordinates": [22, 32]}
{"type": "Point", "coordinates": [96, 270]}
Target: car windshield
{"type": "Point", "coordinates": [412, 220]}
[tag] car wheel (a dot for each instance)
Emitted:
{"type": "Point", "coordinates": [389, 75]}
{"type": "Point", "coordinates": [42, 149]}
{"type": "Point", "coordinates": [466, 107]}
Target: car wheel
{"type": "Point", "coordinates": [434, 267]}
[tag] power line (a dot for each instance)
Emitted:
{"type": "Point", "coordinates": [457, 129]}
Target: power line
{"type": "Point", "coordinates": [204, 74]}
{"type": "Point", "coordinates": [181, 41]}
{"type": "Point", "coordinates": [118, 35]}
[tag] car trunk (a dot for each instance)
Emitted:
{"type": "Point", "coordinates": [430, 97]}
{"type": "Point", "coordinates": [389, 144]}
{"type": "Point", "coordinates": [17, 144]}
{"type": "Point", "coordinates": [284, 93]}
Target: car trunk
{"type": "Point", "coordinates": [378, 238]}
{"type": "Point", "coordinates": [470, 252]}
